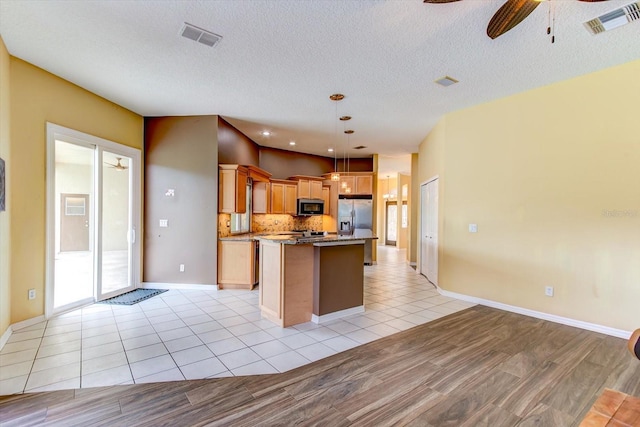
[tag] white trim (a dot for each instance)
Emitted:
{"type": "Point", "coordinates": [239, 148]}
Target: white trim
{"type": "Point", "coordinates": [540, 315]}
{"type": "Point", "coordinates": [17, 326]}
{"type": "Point", "coordinates": [433, 178]}
{"type": "Point", "coordinates": [53, 132]}
{"type": "Point", "coordinates": [337, 314]}
{"type": "Point", "coordinates": [193, 286]}
{"type": "Point", "coordinates": [5, 337]}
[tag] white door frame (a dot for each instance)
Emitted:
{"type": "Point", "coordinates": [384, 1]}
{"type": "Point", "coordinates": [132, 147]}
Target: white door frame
{"type": "Point", "coordinates": [54, 132]}
{"type": "Point", "coordinates": [434, 279]}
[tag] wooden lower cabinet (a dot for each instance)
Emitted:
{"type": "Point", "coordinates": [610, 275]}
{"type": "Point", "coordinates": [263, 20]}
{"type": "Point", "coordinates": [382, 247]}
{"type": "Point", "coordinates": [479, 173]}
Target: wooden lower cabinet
{"type": "Point", "coordinates": [286, 293]}
{"type": "Point", "coordinates": [237, 264]}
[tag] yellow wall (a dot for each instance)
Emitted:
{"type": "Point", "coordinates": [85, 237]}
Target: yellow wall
{"type": "Point", "coordinates": [551, 177]}
{"type": "Point", "coordinates": [5, 290]}
{"type": "Point", "coordinates": [38, 97]}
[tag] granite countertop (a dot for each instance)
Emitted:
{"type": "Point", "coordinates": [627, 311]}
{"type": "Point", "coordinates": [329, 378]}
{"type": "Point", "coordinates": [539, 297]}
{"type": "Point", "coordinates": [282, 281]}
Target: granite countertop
{"type": "Point", "coordinates": [293, 238]}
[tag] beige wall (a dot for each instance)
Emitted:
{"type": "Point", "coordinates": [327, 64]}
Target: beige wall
{"type": "Point", "coordinates": [38, 97]}
{"type": "Point", "coordinates": [5, 229]}
{"type": "Point", "coordinates": [551, 177]}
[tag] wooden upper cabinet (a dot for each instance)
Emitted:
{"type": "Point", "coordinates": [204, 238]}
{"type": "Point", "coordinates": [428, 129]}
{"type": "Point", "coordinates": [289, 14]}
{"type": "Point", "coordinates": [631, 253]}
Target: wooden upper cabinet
{"type": "Point", "coordinates": [347, 185]}
{"type": "Point", "coordinates": [315, 189]}
{"type": "Point", "coordinates": [277, 198]}
{"type": "Point", "coordinates": [291, 199]}
{"type": "Point", "coordinates": [362, 183]}
{"type": "Point", "coordinates": [284, 195]}
{"type": "Point", "coordinates": [309, 187]}
{"type": "Point", "coordinates": [257, 174]}
{"type": "Point", "coordinates": [303, 189]}
{"type": "Point", "coordinates": [326, 196]}
{"type": "Point", "coordinates": [261, 198]}
{"type": "Point", "coordinates": [232, 189]}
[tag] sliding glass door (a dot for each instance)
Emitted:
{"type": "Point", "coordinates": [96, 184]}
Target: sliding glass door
{"type": "Point", "coordinates": [116, 233]}
{"type": "Point", "coordinates": [93, 210]}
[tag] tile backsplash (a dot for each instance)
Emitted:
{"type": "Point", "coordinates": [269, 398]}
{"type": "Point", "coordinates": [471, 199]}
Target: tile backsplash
{"type": "Point", "coordinates": [267, 223]}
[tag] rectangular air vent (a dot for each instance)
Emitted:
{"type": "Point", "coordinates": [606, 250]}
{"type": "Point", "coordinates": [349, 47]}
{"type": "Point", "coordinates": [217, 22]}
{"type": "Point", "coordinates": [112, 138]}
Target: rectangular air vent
{"type": "Point", "coordinates": [614, 19]}
{"type": "Point", "coordinates": [199, 35]}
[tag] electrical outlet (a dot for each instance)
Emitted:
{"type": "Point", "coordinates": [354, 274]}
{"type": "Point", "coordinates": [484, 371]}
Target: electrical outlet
{"type": "Point", "coordinates": [181, 268]}
{"type": "Point", "coordinates": [473, 228]}
{"type": "Point", "coordinates": [548, 291]}
{"type": "Point", "coordinates": [164, 223]}
{"type": "Point", "coordinates": [32, 294]}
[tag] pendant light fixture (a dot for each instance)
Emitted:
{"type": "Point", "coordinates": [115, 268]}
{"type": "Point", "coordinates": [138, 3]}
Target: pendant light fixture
{"type": "Point", "coordinates": [335, 175]}
{"type": "Point", "coordinates": [347, 167]}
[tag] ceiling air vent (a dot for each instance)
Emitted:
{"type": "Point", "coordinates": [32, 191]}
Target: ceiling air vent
{"type": "Point", "coordinates": [614, 19]}
{"type": "Point", "coordinates": [199, 35]}
{"type": "Point", "coordinates": [359, 147]}
{"type": "Point", "coordinates": [446, 81]}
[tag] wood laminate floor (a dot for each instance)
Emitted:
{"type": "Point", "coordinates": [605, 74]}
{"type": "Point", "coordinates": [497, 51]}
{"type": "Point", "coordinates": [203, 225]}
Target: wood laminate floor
{"type": "Point", "coordinates": [477, 367]}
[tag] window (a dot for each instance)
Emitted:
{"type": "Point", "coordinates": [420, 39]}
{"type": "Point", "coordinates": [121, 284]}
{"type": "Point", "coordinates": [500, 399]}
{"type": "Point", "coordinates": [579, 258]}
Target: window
{"type": "Point", "coordinates": [241, 223]}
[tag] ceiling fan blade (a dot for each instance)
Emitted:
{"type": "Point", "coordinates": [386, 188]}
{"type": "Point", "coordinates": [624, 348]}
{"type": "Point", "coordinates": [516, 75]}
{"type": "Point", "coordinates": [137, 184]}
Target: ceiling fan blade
{"type": "Point", "coordinates": [439, 1]}
{"type": "Point", "coordinates": [509, 15]}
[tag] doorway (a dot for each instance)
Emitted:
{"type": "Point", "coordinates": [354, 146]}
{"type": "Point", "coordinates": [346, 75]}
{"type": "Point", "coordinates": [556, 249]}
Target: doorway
{"type": "Point", "coordinates": [93, 211]}
{"type": "Point", "coordinates": [429, 230]}
{"type": "Point", "coordinates": [391, 227]}
{"type": "Point", "coordinates": [74, 222]}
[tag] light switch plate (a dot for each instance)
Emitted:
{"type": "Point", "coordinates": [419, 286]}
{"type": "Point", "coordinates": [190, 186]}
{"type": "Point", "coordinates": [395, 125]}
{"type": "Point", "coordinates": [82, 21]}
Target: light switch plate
{"type": "Point", "coordinates": [164, 223]}
{"type": "Point", "coordinates": [473, 228]}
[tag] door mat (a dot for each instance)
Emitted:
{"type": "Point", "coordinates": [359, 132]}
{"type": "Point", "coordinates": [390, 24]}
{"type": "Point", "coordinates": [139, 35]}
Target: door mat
{"type": "Point", "coordinates": [133, 297]}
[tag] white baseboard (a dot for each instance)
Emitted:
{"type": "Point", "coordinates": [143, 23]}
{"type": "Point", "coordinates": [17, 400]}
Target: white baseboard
{"type": "Point", "coordinates": [5, 337]}
{"type": "Point", "coordinates": [182, 286]}
{"type": "Point", "coordinates": [540, 315]}
{"type": "Point", "coordinates": [16, 327]}
{"type": "Point", "coordinates": [337, 314]}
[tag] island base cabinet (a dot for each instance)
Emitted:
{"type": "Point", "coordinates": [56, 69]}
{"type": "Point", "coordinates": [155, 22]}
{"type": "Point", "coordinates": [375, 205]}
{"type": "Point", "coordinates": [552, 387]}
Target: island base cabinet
{"type": "Point", "coordinates": [236, 264]}
{"type": "Point", "coordinates": [338, 278]}
{"type": "Point", "coordinates": [286, 297]}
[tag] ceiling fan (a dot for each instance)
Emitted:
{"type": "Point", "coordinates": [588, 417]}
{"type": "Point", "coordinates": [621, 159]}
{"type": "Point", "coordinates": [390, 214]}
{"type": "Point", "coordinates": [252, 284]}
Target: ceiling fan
{"type": "Point", "coordinates": [509, 15]}
{"type": "Point", "coordinates": [118, 166]}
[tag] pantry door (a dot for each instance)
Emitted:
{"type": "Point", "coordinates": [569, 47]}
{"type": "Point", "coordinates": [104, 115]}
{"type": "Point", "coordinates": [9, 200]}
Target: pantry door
{"type": "Point", "coordinates": [429, 230]}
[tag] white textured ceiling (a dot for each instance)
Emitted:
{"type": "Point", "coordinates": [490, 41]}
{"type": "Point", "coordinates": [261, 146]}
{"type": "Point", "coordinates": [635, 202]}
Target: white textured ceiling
{"type": "Point", "coordinates": [280, 60]}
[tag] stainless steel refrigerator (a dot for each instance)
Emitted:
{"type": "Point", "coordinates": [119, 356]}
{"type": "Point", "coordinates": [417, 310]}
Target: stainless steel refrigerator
{"type": "Point", "coordinates": [355, 212]}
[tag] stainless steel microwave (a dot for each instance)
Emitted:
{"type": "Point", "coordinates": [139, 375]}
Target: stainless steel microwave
{"type": "Point", "coordinates": [310, 206]}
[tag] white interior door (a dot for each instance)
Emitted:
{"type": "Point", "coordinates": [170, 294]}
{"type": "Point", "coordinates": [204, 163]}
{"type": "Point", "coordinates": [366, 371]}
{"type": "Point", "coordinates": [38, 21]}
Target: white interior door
{"type": "Point", "coordinates": [429, 231]}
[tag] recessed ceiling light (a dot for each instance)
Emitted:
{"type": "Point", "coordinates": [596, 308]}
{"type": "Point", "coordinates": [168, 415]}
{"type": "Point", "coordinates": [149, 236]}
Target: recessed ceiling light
{"type": "Point", "coordinates": [292, 143]}
{"type": "Point", "coordinates": [446, 81]}
{"type": "Point", "coordinates": [330, 150]}
{"type": "Point", "coordinates": [266, 133]}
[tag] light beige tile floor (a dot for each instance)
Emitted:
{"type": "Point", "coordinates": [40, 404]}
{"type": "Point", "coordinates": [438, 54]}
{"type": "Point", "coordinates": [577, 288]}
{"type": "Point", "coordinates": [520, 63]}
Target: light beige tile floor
{"type": "Point", "coordinates": [191, 334]}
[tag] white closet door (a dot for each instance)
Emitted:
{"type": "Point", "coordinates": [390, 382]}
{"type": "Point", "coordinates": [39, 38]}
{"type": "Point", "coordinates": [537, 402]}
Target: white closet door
{"type": "Point", "coordinates": [429, 231]}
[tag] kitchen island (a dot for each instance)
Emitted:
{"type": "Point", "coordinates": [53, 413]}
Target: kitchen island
{"type": "Point", "coordinates": [317, 278]}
